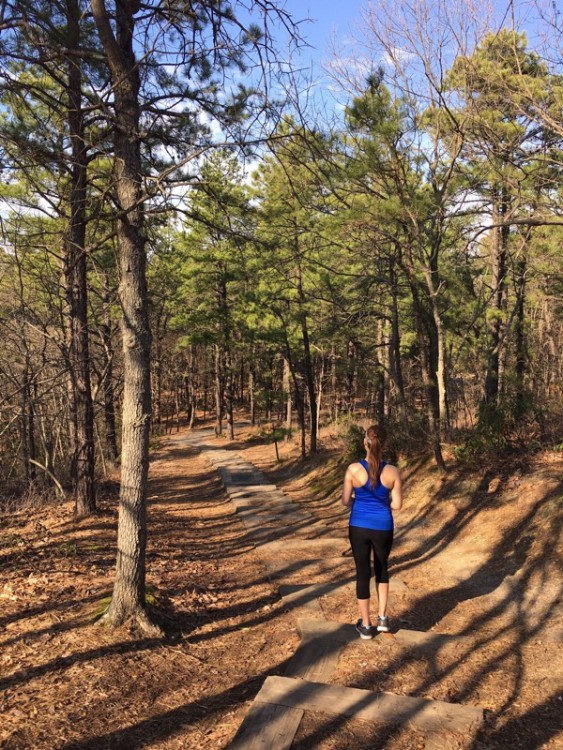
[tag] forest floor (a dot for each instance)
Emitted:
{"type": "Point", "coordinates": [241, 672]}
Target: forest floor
{"type": "Point", "coordinates": [479, 554]}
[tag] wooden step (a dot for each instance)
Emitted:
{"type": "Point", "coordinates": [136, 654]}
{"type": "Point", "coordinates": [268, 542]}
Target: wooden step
{"type": "Point", "coordinates": [234, 489]}
{"type": "Point", "coordinates": [331, 546]}
{"type": "Point", "coordinates": [258, 496]}
{"type": "Point", "coordinates": [254, 519]}
{"type": "Point", "coordinates": [385, 708]}
{"type": "Point", "coordinates": [335, 567]}
{"type": "Point", "coordinates": [267, 727]}
{"type": "Point", "coordinates": [315, 659]}
{"type": "Point", "coordinates": [413, 639]}
{"type": "Point", "coordinates": [241, 476]}
{"type": "Point", "coordinates": [295, 593]}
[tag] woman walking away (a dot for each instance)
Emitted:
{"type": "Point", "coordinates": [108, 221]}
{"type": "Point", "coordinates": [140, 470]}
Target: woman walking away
{"type": "Point", "coordinates": [376, 486]}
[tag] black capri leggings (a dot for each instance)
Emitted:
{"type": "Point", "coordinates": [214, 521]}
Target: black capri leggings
{"type": "Point", "coordinates": [362, 542]}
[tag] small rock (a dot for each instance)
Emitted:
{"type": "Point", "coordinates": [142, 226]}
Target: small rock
{"type": "Point", "coordinates": [494, 485]}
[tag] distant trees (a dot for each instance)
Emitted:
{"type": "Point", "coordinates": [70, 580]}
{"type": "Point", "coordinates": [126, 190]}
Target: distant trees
{"type": "Point", "coordinates": [390, 260]}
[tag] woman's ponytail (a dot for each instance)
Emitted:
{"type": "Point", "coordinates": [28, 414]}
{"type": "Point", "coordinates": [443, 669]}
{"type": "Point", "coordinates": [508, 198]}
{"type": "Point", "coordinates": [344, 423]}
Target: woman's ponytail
{"type": "Point", "coordinates": [375, 437]}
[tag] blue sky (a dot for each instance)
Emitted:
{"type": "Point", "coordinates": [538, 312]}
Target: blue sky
{"type": "Point", "coordinates": [327, 17]}
{"type": "Point", "coordinates": [338, 17]}
{"type": "Point", "coordinates": [340, 24]}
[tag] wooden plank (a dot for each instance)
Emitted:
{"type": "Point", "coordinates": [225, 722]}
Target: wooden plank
{"type": "Point", "coordinates": [256, 494]}
{"type": "Point", "coordinates": [331, 631]}
{"type": "Point", "coordinates": [257, 518]}
{"type": "Point", "coordinates": [315, 660]}
{"type": "Point", "coordinates": [298, 592]}
{"type": "Point", "coordinates": [267, 727]}
{"type": "Point", "coordinates": [283, 569]}
{"type": "Point", "coordinates": [332, 546]}
{"type": "Point", "coordinates": [241, 476]}
{"type": "Point", "coordinates": [386, 708]}
{"type": "Point", "coordinates": [235, 488]}
{"type": "Point", "coordinates": [283, 515]}
{"type": "Point", "coordinates": [343, 633]}
{"type": "Point", "coordinates": [293, 597]}
{"type": "Point", "coordinates": [262, 534]}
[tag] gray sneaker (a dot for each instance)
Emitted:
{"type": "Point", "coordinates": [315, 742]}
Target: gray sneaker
{"type": "Point", "coordinates": [366, 633]}
{"type": "Point", "coordinates": [382, 624]}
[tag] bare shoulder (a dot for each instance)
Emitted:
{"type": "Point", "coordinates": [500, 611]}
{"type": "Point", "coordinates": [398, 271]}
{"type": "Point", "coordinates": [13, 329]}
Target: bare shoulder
{"type": "Point", "coordinates": [390, 474]}
{"type": "Point", "coordinates": [356, 474]}
{"type": "Point", "coordinates": [355, 469]}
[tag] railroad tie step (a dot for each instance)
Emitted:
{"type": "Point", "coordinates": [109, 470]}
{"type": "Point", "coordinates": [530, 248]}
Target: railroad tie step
{"type": "Point", "coordinates": [422, 642]}
{"type": "Point", "coordinates": [421, 714]}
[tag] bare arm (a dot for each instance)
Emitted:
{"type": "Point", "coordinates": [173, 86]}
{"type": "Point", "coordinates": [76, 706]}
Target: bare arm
{"type": "Point", "coordinates": [397, 493]}
{"type": "Point", "coordinates": [347, 489]}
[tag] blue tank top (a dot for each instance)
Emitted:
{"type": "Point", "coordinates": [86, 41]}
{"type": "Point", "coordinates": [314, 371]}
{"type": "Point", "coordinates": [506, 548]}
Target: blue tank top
{"type": "Point", "coordinates": [372, 506]}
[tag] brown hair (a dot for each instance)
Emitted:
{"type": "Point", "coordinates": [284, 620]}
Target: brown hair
{"type": "Point", "coordinates": [376, 437]}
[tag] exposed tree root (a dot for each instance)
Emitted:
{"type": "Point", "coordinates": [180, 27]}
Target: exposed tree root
{"type": "Point", "coordinates": [138, 619]}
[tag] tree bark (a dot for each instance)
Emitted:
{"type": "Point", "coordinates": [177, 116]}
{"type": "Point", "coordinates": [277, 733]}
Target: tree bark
{"type": "Point", "coordinates": [287, 392]}
{"type": "Point", "coordinates": [499, 253]}
{"type": "Point", "coordinates": [521, 353]}
{"type": "Point", "coordinates": [82, 460]}
{"type": "Point", "coordinates": [428, 378]}
{"type": "Point", "coordinates": [218, 391]}
{"type": "Point", "coordinates": [128, 598]}
{"type": "Point", "coordinates": [107, 380]}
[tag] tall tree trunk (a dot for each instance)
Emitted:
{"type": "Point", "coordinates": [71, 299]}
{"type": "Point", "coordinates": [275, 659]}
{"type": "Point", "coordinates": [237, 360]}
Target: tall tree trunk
{"type": "Point", "coordinates": [395, 366]}
{"type": "Point", "coordinates": [320, 390]}
{"type": "Point", "coordinates": [82, 460]}
{"type": "Point", "coordinates": [381, 371]}
{"type": "Point", "coordinates": [437, 337]}
{"type": "Point", "coordinates": [287, 394]}
{"type": "Point", "coordinates": [307, 360]}
{"type": "Point", "coordinates": [26, 431]}
{"type": "Point", "coordinates": [310, 382]}
{"type": "Point", "coordinates": [521, 353]}
{"type": "Point", "coordinates": [128, 599]}
{"type": "Point", "coordinates": [156, 383]}
{"type": "Point", "coordinates": [218, 391]}
{"type": "Point", "coordinates": [425, 343]}
{"type": "Point", "coordinates": [299, 400]}
{"type": "Point", "coordinates": [334, 384]}
{"type": "Point", "coordinates": [228, 375]}
{"type": "Point", "coordinates": [350, 377]}
{"type": "Point", "coordinates": [251, 392]}
{"type": "Point", "coordinates": [229, 388]}
{"type": "Point", "coordinates": [499, 254]}
{"type": "Point", "coordinates": [107, 380]}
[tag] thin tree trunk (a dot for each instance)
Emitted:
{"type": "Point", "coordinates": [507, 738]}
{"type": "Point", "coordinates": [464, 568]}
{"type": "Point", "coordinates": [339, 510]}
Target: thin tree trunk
{"type": "Point", "coordinates": [229, 387]}
{"type": "Point", "coordinates": [499, 253]}
{"type": "Point", "coordinates": [521, 354]}
{"type": "Point", "coordinates": [251, 394]}
{"type": "Point", "coordinates": [218, 391]}
{"type": "Point", "coordinates": [427, 376]}
{"type": "Point", "coordinates": [334, 384]}
{"type": "Point", "coordinates": [307, 359]}
{"type": "Point", "coordinates": [76, 283]}
{"type": "Point", "coordinates": [299, 400]}
{"type": "Point", "coordinates": [381, 370]}
{"type": "Point", "coordinates": [351, 377]}
{"type": "Point", "coordinates": [395, 366]}
{"type": "Point", "coordinates": [107, 381]}
{"type": "Point", "coordinates": [287, 394]}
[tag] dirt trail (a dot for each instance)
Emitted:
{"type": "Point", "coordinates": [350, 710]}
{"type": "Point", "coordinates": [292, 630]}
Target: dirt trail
{"type": "Point", "coordinates": [481, 562]}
